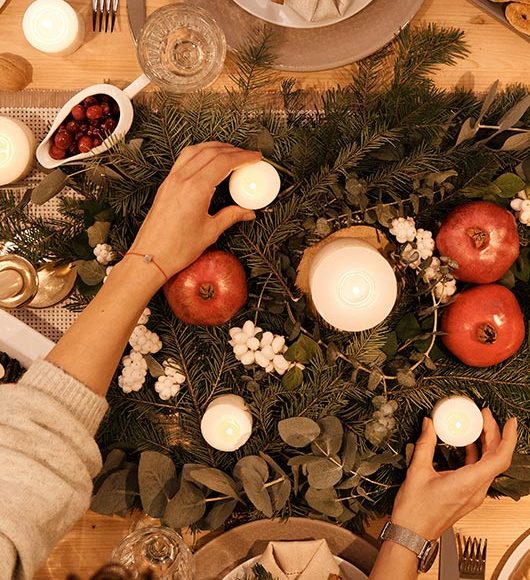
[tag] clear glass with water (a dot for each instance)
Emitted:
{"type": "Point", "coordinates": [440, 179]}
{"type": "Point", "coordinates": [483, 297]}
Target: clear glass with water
{"type": "Point", "coordinates": [181, 48]}
{"type": "Point", "coordinates": [160, 550]}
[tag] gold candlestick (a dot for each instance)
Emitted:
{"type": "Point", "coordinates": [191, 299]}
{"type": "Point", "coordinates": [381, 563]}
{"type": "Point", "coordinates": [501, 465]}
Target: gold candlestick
{"type": "Point", "coordinates": [18, 281]}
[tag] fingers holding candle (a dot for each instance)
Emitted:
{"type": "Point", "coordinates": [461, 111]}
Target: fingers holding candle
{"type": "Point", "coordinates": [255, 186]}
{"type": "Point", "coordinates": [457, 421]}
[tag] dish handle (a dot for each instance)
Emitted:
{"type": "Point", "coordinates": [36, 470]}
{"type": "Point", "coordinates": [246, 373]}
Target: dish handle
{"type": "Point", "coordinates": [136, 86]}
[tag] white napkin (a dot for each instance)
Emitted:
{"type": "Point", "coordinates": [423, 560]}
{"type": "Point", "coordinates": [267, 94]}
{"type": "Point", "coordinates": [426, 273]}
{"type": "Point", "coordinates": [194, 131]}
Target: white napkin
{"type": "Point", "coordinates": [311, 560]}
{"type": "Point", "coordinates": [315, 10]}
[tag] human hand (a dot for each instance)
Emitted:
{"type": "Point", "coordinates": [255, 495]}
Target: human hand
{"type": "Point", "coordinates": [429, 502]}
{"type": "Point", "coordinates": [178, 227]}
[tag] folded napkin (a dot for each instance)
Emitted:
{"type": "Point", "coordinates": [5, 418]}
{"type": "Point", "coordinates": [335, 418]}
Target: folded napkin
{"type": "Point", "coordinates": [311, 560]}
{"type": "Point", "coordinates": [315, 10]}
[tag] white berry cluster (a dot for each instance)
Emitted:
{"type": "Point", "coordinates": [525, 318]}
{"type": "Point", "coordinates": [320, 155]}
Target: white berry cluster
{"type": "Point", "coordinates": [108, 270]}
{"type": "Point", "coordinates": [403, 229]}
{"type": "Point", "coordinates": [168, 385]}
{"type": "Point", "coordinates": [133, 374]}
{"type": "Point", "coordinates": [382, 424]}
{"type": "Point", "coordinates": [134, 370]}
{"type": "Point", "coordinates": [521, 205]}
{"type": "Point", "coordinates": [144, 340]}
{"type": "Point", "coordinates": [104, 254]}
{"type": "Point", "coordinates": [266, 351]}
{"type": "Point", "coordinates": [445, 287]}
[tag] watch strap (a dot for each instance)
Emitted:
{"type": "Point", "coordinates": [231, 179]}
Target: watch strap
{"type": "Point", "coordinates": [404, 537]}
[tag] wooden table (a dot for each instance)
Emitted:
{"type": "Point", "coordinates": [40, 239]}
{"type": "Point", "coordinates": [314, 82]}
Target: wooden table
{"type": "Point", "coordinates": [496, 53]}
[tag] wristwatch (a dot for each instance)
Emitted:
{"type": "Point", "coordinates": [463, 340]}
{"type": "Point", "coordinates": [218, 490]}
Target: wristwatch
{"type": "Point", "coordinates": [426, 550]}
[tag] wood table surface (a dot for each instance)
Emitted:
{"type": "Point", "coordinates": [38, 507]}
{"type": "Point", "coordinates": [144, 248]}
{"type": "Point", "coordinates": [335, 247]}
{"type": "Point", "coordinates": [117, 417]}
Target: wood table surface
{"type": "Point", "coordinates": [496, 53]}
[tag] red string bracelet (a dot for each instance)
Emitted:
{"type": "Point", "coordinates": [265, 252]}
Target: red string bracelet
{"type": "Point", "coordinates": [149, 259]}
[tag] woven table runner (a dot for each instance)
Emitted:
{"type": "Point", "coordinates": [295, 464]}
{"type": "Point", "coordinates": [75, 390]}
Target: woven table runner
{"type": "Point", "coordinates": [38, 109]}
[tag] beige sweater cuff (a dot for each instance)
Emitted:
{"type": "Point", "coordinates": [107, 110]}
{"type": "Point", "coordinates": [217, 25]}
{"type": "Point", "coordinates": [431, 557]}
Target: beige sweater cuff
{"type": "Point", "coordinates": [84, 404]}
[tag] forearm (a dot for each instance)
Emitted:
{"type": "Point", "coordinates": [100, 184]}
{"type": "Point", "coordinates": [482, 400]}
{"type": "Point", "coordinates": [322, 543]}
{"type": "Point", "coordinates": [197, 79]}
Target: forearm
{"type": "Point", "coordinates": [91, 349]}
{"type": "Point", "coordinates": [395, 561]}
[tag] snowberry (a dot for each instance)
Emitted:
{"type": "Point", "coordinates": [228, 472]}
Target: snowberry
{"type": "Point", "coordinates": [107, 272]}
{"type": "Point", "coordinates": [268, 352]}
{"type": "Point", "coordinates": [261, 360]}
{"type": "Point", "coordinates": [144, 341]}
{"type": "Point", "coordinates": [445, 289]}
{"type": "Point", "coordinates": [166, 387]}
{"type": "Point", "coordinates": [144, 318]}
{"type": "Point", "coordinates": [433, 270]}
{"type": "Point", "coordinates": [266, 339]}
{"type": "Point", "coordinates": [278, 343]}
{"type": "Point", "coordinates": [424, 243]}
{"type": "Point", "coordinates": [248, 358]}
{"type": "Point", "coordinates": [233, 331]}
{"type": "Point", "coordinates": [240, 350]}
{"type": "Point", "coordinates": [104, 254]}
{"type": "Point", "coordinates": [253, 343]}
{"type": "Point", "coordinates": [240, 338]}
{"type": "Point", "coordinates": [248, 328]}
{"type": "Point", "coordinates": [410, 256]}
{"type": "Point", "coordinates": [403, 229]}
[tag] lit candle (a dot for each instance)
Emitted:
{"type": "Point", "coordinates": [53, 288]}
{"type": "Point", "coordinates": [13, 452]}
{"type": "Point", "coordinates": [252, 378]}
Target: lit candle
{"type": "Point", "coordinates": [352, 285]}
{"type": "Point", "coordinates": [17, 146]}
{"type": "Point", "coordinates": [254, 186]}
{"type": "Point", "coordinates": [53, 26]}
{"type": "Point", "coordinates": [457, 421]}
{"type": "Point", "coordinates": [227, 423]}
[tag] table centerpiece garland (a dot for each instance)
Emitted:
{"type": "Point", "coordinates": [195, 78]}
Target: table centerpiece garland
{"type": "Point", "coordinates": [332, 428]}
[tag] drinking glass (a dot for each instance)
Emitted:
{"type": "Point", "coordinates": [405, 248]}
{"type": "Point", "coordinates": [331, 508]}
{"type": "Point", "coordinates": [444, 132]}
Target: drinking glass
{"type": "Point", "coordinates": [181, 48]}
{"type": "Point", "coordinates": [158, 549]}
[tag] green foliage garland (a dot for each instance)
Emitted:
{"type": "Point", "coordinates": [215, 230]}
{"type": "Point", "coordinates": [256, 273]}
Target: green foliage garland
{"type": "Point", "coordinates": [388, 144]}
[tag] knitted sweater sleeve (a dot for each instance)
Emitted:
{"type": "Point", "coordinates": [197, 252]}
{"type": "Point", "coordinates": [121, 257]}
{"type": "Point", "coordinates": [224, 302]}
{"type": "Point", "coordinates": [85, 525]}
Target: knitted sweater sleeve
{"type": "Point", "coordinates": [48, 458]}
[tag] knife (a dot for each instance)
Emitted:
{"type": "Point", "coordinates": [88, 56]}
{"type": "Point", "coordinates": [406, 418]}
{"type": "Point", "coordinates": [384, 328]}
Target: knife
{"type": "Point", "coordinates": [448, 563]}
{"type": "Point", "coordinates": [136, 14]}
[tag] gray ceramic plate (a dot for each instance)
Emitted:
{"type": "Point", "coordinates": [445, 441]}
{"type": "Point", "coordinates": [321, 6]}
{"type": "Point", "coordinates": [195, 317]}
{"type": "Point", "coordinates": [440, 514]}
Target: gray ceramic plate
{"type": "Point", "coordinates": [227, 551]}
{"type": "Point", "coordinates": [321, 48]}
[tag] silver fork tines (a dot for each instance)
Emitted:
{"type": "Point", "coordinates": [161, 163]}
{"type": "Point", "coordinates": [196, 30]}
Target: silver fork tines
{"type": "Point", "coordinates": [102, 10]}
{"type": "Point", "coordinates": [472, 558]}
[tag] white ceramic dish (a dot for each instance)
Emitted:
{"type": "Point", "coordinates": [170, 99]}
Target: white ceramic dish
{"type": "Point", "coordinates": [347, 571]}
{"type": "Point", "coordinates": [122, 97]}
{"type": "Point", "coordinates": [513, 560]}
{"type": "Point", "coordinates": [20, 341]}
{"type": "Point", "coordinates": [283, 15]}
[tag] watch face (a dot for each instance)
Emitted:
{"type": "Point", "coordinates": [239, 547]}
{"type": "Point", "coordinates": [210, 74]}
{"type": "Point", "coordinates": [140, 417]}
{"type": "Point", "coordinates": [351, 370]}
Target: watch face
{"type": "Point", "coordinates": [429, 557]}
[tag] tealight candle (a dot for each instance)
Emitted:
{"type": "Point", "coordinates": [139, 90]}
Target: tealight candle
{"type": "Point", "coordinates": [353, 287]}
{"type": "Point", "coordinates": [53, 26]}
{"type": "Point", "coordinates": [227, 423]}
{"type": "Point", "coordinates": [457, 421]}
{"type": "Point", "coordinates": [254, 186]}
{"type": "Point", "coordinates": [17, 146]}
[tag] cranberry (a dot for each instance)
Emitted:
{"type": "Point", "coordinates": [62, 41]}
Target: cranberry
{"type": "Point", "coordinates": [63, 139]}
{"type": "Point", "coordinates": [94, 112]}
{"type": "Point", "coordinates": [97, 141]}
{"type": "Point", "coordinates": [57, 152]}
{"type": "Point", "coordinates": [105, 108]}
{"type": "Point", "coordinates": [109, 125]}
{"type": "Point", "coordinates": [78, 112]}
{"type": "Point", "coordinates": [85, 144]}
{"type": "Point", "coordinates": [72, 127]}
{"type": "Point", "coordinates": [89, 101]}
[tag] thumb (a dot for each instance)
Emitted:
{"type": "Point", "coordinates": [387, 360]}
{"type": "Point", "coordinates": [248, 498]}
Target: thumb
{"type": "Point", "coordinates": [229, 216]}
{"type": "Point", "coordinates": [425, 446]}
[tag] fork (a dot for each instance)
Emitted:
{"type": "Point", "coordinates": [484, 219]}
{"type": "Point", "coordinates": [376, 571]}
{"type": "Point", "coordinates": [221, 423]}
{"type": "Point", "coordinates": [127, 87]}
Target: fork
{"type": "Point", "coordinates": [472, 558]}
{"type": "Point", "coordinates": [104, 9]}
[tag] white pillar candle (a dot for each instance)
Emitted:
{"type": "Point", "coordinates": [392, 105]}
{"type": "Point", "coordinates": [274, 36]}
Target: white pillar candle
{"type": "Point", "coordinates": [353, 287]}
{"type": "Point", "coordinates": [17, 146]}
{"type": "Point", "coordinates": [53, 26]}
{"type": "Point", "coordinates": [457, 421]}
{"type": "Point", "coordinates": [227, 423]}
{"type": "Point", "coordinates": [254, 186]}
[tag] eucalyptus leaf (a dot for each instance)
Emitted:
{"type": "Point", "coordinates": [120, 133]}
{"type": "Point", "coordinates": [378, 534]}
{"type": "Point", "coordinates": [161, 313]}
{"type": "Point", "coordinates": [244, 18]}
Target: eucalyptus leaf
{"type": "Point", "coordinates": [81, 247]}
{"type": "Point", "coordinates": [324, 501]}
{"type": "Point", "coordinates": [90, 271]}
{"type": "Point", "coordinates": [298, 431]}
{"type": "Point", "coordinates": [324, 473]}
{"type": "Point", "coordinates": [49, 187]}
{"type": "Point", "coordinates": [186, 507]}
{"type": "Point", "coordinates": [350, 482]}
{"type": "Point", "coordinates": [219, 513]}
{"type": "Point", "coordinates": [216, 480]}
{"type": "Point", "coordinates": [280, 493]}
{"type": "Point", "coordinates": [372, 464]}
{"type": "Point", "coordinates": [511, 117]}
{"type": "Point", "coordinates": [329, 440]}
{"type": "Point", "coordinates": [408, 326]}
{"type": "Point", "coordinates": [514, 488]}
{"type": "Point", "coordinates": [252, 462]}
{"type": "Point", "coordinates": [256, 491]}
{"type": "Point", "coordinates": [275, 467]}
{"type": "Point", "coordinates": [157, 482]}
{"type": "Point", "coordinates": [303, 350]}
{"type": "Point", "coordinates": [517, 142]}
{"type": "Point", "coordinates": [374, 379]}
{"type": "Point", "coordinates": [488, 100]}
{"type": "Point", "coordinates": [332, 353]}
{"type": "Point", "coordinates": [509, 184]}
{"type": "Point", "coordinates": [406, 378]}
{"type": "Point", "coordinates": [293, 378]}
{"type": "Point", "coordinates": [348, 452]}
{"type": "Point", "coordinates": [468, 130]}
{"type": "Point", "coordinates": [115, 494]}
{"type": "Point", "coordinates": [265, 142]}
{"type": "Point", "coordinates": [524, 169]}
{"type": "Point", "coordinates": [155, 368]}
{"type": "Point", "coordinates": [97, 233]}
{"type": "Point", "coordinates": [303, 460]}
{"type": "Point", "coordinates": [391, 345]}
